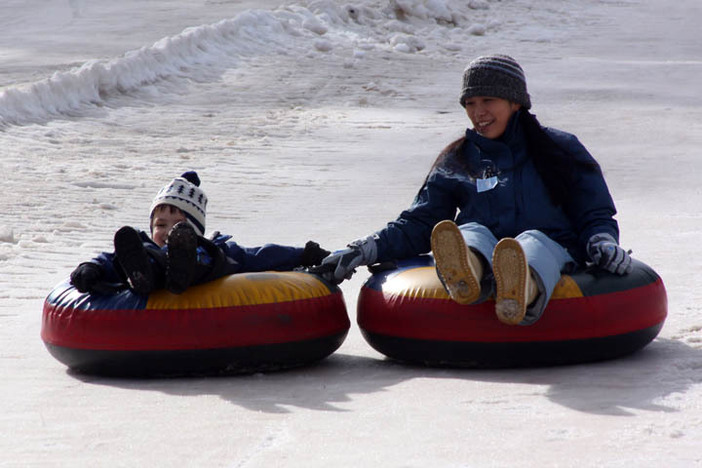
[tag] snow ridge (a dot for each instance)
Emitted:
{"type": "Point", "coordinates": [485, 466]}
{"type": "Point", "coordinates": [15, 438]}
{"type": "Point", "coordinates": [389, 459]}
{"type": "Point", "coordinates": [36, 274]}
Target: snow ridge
{"type": "Point", "coordinates": [203, 53]}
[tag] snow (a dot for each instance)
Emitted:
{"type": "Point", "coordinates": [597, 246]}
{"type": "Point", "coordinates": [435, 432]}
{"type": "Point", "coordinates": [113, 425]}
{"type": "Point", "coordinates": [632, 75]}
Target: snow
{"type": "Point", "coordinates": [319, 120]}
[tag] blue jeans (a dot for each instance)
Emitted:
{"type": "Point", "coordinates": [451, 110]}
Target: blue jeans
{"type": "Point", "coordinates": [546, 257]}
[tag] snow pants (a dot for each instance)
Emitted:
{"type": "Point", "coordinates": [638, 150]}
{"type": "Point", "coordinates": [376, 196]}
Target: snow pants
{"type": "Point", "coordinates": [211, 263]}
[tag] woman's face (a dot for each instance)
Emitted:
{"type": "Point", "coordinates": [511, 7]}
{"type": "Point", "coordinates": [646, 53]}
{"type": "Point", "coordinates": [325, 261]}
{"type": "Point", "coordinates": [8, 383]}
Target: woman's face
{"type": "Point", "coordinates": [490, 115]}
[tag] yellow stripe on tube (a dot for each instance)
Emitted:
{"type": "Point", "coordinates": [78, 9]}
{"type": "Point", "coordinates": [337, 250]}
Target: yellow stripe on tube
{"type": "Point", "coordinates": [423, 283]}
{"type": "Point", "coordinates": [419, 282]}
{"type": "Point", "coordinates": [241, 290]}
{"type": "Point", "coordinates": [566, 288]}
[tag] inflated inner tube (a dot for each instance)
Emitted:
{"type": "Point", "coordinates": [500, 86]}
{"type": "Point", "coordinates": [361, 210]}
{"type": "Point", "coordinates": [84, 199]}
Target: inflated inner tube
{"type": "Point", "coordinates": [406, 314]}
{"type": "Point", "coordinates": [248, 322]}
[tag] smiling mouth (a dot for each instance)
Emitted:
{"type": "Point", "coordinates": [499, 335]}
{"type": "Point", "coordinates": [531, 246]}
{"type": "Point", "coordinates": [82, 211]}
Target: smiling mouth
{"type": "Point", "coordinates": [481, 127]}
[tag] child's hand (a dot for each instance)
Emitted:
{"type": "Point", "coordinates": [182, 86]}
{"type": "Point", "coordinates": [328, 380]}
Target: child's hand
{"type": "Point", "coordinates": [313, 254]}
{"type": "Point", "coordinates": [85, 276]}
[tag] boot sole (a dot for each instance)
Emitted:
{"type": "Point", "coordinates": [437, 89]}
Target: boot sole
{"type": "Point", "coordinates": [510, 268]}
{"type": "Point", "coordinates": [451, 258]}
{"type": "Point", "coordinates": [182, 257]}
{"type": "Point", "coordinates": [132, 257]}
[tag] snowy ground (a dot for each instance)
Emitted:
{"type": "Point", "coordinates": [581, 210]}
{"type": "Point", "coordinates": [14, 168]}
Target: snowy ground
{"type": "Point", "coordinates": [319, 120]}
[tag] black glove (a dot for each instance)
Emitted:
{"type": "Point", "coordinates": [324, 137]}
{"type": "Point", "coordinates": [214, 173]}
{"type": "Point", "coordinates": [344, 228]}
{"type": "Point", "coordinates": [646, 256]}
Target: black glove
{"type": "Point", "coordinates": [313, 254]}
{"type": "Point", "coordinates": [86, 276]}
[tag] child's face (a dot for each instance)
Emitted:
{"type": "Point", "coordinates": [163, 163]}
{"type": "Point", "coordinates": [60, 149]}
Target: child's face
{"type": "Point", "coordinates": [163, 220]}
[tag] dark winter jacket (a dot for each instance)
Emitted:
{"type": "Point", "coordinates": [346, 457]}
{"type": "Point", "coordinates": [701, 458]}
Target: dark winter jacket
{"type": "Point", "coordinates": [519, 202]}
{"type": "Point", "coordinates": [239, 259]}
{"type": "Point", "coordinates": [267, 257]}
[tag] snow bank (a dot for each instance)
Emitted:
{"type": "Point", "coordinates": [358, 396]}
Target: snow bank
{"type": "Point", "coordinates": [203, 53]}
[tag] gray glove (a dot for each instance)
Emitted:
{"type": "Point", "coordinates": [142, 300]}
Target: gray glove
{"type": "Point", "coordinates": [342, 264]}
{"type": "Point", "coordinates": [606, 253]}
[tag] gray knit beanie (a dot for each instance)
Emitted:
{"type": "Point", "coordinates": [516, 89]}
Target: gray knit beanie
{"type": "Point", "coordinates": [495, 76]}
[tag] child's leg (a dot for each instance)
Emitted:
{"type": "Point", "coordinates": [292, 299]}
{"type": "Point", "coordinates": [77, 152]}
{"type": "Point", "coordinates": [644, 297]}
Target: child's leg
{"type": "Point", "coordinates": [159, 262]}
{"type": "Point", "coordinates": [193, 260]}
{"type": "Point", "coordinates": [133, 260]}
{"type": "Point", "coordinates": [212, 263]}
{"type": "Point", "coordinates": [182, 257]}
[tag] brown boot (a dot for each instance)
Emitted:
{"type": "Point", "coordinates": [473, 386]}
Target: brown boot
{"type": "Point", "coordinates": [516, 287]}
{"type": "Point", "coordinates": [459, 268]}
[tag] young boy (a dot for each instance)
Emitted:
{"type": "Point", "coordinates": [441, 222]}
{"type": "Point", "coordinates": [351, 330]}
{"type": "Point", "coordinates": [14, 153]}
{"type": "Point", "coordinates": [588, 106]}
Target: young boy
{"type": "Point", "coordinates": [176, 254]}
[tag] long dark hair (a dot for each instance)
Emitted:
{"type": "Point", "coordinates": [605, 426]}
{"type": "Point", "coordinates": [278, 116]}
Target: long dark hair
{"type": "Point", "coordinates": [555, 165]}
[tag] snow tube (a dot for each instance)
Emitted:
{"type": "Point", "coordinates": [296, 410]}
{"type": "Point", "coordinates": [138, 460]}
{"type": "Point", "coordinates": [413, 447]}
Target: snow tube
{"type": "Point", "coordinates": [243, 323]}
{"type": "Point", "coordinates": [405, 314]}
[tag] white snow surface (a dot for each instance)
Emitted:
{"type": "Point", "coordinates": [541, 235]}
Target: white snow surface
{"type": "Point", "coordinates": [319, 120]}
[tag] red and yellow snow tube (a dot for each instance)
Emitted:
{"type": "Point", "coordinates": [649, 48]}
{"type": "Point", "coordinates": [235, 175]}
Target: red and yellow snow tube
{"type": "Point", "coordinates": [248, 322]}
{"type": "Point", "coordinates": [405, 314]}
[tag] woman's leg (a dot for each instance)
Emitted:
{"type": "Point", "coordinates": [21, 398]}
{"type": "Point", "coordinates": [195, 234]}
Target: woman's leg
{"type": "Point", "coordinates": [514, 284]}
{"type": "Point", "coordinates": [479, 239]}
{"type": "Point", "coordinates": [460, 254]}
{"type": "Point", "coordinates": [459, 268]}
{"type": "Point", "coordinates": [482, 242]}
{"type": "Point", "coordinates": [546, 259]}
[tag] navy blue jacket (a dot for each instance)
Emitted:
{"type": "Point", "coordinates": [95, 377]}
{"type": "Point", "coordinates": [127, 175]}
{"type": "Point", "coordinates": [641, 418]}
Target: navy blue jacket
{"type": "Point", "coordinates": [241, 259]}
{"type": "Point", "coordinates": [267, 257]}
{"type": "Point", "coordinates": [519, 202]}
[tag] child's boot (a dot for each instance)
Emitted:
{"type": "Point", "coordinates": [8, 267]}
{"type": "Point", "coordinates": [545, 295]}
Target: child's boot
{"type": "Point", "coordinates": [182, 257]}
{"type": "Point", "coordinates": [133, 259]}
{"type": "Point", "coordinates": [458, 267]}
{"type": "Point", "coordinates": [516, 288]}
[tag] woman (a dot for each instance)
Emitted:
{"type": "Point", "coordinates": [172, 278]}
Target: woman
{"type": "Point", "coordinates": [532, 203]}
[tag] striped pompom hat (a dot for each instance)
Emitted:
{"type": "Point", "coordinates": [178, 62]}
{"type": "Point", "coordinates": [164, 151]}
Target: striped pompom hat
{"type": "Point", "coordinates": [495, 76]}
{"type": "Point", "coordinates": [184, 192]}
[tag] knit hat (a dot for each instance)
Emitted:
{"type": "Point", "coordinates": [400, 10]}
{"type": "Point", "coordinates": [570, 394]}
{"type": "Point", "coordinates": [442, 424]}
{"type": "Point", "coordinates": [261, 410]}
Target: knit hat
{"type": "Point", "coordinates": [184, 192]}
{"type": "Point", "coordinates": [495, 76]}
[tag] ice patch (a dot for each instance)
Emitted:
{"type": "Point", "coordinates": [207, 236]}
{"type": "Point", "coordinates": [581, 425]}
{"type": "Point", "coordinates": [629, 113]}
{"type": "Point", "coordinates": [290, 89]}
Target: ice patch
{"type": "Point", "coordinates": [314, 25]}
{"type": "Point", "coordinates": [7, 235]}
{"type": "Point", "coordinates": [100, 184]}
{"type": "Point", "coordinates": [407, 44]}
{"type": "Point", "coordinates": [323, 45]}
{"type": "Point", "coordinates": [70, 226]}
{"type": "Point", "coordinates": [477, 29]}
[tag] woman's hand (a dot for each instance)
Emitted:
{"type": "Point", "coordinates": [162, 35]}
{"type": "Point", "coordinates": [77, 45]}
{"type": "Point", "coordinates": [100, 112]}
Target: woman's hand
{"type": "Point", "coordinates": [606, 253]}
{"type": "Point", "coordinates": [342, 264]}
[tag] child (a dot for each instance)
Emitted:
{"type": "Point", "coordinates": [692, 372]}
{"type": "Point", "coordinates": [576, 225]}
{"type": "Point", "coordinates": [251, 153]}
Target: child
{"type": "Point", "coordinates": [176, 254]}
